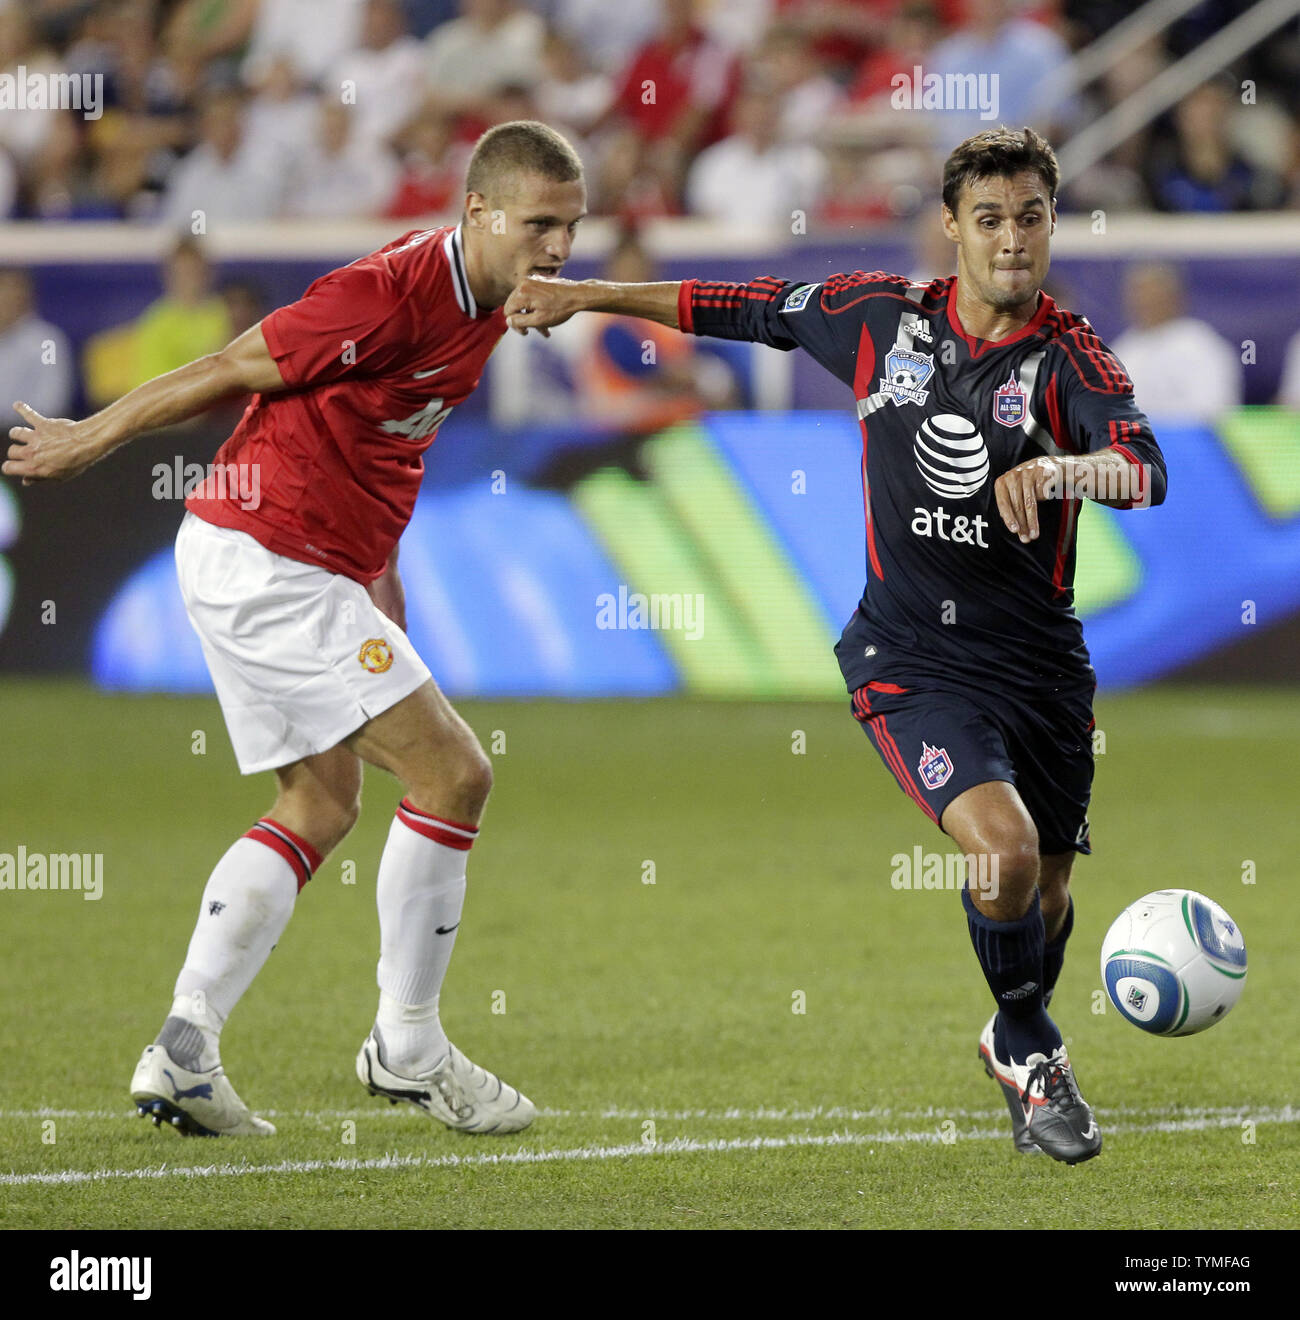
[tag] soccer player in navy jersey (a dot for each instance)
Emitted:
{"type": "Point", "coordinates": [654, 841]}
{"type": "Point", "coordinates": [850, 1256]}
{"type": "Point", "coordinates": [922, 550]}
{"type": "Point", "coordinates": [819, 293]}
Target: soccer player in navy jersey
{"type": "Point", "coordinates": [987, 414]}
{"type": "Point", "coordinates": [297, 601]}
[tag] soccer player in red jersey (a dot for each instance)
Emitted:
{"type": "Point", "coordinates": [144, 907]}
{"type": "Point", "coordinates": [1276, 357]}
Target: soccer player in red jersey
{"type": "Point", "coordinates": [296, 598]}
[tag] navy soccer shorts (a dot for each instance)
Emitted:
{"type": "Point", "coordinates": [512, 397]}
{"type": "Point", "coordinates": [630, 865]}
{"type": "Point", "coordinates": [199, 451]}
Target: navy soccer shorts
{"type": "Point", "coordinates": [938, 742]}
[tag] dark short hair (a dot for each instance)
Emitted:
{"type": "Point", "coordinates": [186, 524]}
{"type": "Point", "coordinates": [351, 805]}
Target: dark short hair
{"type": "Point", "coordinates": [999, 153]}
{"type": "Point", "coordinates": [523, 146]}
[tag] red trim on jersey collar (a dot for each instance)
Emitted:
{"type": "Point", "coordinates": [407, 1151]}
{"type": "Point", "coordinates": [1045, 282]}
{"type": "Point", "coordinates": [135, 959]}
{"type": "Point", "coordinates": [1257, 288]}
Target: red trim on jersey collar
{"type": "Point", "coordinates": [1046, 305]}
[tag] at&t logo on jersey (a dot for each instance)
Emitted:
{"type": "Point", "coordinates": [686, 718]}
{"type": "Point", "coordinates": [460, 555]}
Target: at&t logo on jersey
{"type": "Point", "coordinates": [906, 372]}
{"type": "Point", "coordinates": [951, 456]}
{"type": "Point", "coordinates": [954, 461]}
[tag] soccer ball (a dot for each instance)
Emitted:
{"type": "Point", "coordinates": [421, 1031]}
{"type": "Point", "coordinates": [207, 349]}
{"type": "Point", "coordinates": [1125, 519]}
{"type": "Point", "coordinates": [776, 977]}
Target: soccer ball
{"type": "Point", "coordinates": [1173, 963]}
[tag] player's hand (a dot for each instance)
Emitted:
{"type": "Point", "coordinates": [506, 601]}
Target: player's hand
{"type": "Point", "coordinates": [1019, 491]}
{"type": "Point", "coordinates": [47, 448]}
{"type": "Point", "coordinates": [541, 301]}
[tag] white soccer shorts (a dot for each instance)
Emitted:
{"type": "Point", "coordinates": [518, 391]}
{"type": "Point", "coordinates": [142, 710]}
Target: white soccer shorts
{"type": "Point", "coordinates": [300, 657]}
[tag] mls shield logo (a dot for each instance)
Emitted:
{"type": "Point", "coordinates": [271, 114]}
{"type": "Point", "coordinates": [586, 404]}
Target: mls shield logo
{"type": "Point", "coordinates": [1009, 403]}
{"type": "Point", "coordinates": [934, 767]}
{"type": "Point", "coordinates": [906, 373]}
{"type": "Point", "coordinates": [1136, 998]}
{"type": "Point", "coordinates": [798, 300]}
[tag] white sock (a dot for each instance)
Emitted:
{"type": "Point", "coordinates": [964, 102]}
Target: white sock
{"type": "Point", "coordinates": [246, 906]}
{"type": "Point", "coordinates": [420, 894]}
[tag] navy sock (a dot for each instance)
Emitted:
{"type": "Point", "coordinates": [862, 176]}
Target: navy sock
{"type": "Point", "coordinates": [1054, 955]}
{"type": "Point", "coordinates": [1011, 957]}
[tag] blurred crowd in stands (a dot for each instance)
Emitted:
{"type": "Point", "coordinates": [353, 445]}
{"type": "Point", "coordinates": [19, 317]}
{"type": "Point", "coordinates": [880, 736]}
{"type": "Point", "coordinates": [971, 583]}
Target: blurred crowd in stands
{"type": "Point", "coordinates": [750, 111]}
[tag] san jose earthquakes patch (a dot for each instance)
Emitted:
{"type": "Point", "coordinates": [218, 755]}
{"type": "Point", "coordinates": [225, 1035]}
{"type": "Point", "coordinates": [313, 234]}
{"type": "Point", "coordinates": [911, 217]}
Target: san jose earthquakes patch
{"type": "Point", "coordinates": [906, 373]}
{"type": "Point", "coordinates": [798, 300]}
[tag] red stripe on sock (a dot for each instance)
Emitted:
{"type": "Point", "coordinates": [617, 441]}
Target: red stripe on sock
{"type": "Point", "coordinates": [291, 854]}
{"type": "Point", "coordinates": [314, 859]}
{"type": "Point", "coordinates": [450, 833]}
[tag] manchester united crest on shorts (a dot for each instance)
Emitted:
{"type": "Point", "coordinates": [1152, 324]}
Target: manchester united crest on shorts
{"type": "Point", "coordinates": [935, 766]}
{"type": "Point", "coordinates": [376, 656]}
{"type": "Point", "coordinates": [1009, 403]}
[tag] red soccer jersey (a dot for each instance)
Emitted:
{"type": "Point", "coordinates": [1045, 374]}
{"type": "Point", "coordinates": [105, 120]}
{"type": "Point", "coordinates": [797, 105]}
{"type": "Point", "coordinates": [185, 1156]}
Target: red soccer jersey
{"type": "Point", "coordinates": [374, 356]}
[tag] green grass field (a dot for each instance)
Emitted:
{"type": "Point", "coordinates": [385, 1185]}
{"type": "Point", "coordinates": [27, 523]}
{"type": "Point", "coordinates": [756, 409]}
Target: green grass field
{"type": "Point", "coordinates": [653, 1024]}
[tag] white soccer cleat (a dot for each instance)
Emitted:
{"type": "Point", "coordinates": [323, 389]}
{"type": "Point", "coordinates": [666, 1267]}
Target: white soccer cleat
{"type": "Point", "coordinates": [457, 1092]}
{"type": "Point", "coordinates": [196, 1104]}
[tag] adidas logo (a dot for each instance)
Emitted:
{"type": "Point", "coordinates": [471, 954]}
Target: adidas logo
{"type": "Point", "coordinates": [1021, 991]}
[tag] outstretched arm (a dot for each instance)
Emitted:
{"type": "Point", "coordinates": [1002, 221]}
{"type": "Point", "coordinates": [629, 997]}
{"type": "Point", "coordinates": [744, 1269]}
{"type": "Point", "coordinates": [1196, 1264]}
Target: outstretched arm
{"type": "Point", "coordinates": [781, 313]}
{"type": "Point", "coordinates": [54, 449]}
{"type": "Point", "coordinates": [539, 302]}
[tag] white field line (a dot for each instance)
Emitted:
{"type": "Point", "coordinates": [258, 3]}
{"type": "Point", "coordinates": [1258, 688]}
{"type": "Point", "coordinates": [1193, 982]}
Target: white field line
{"type": "Point", "coordinates": [831, 1113]}
{"type": "Point", "coordinates": [675, 1146]}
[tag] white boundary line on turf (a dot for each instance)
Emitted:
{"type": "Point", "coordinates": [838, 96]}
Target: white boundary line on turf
{"type": "Point", "coordinates": [676, 1146]}
{"type": "Point", "coordinates": [833, 1113]}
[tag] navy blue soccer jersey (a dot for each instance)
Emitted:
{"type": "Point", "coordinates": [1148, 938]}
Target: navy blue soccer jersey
{"type": "Point", "coordinates": [952, 594]}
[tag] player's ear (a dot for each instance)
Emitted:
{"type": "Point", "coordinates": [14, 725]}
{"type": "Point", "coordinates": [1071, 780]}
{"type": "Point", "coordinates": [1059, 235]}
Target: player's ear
{"type": "Point", "coordinates": [950, 223]}
{"type": "Point", "coordinates": [475, 209]}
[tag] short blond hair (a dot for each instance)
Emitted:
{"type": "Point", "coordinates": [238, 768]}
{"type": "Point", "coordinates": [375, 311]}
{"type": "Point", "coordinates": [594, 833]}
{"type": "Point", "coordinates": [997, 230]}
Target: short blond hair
{"type": "Point", "coordinates": [523, 146]}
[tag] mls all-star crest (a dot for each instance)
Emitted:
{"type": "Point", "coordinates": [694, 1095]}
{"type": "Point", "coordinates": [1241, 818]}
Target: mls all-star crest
{"type": "Point", "coordinates": [906, 372]}
{"type": "Point", "coordinates": [1009, 403]}
{"type": "Point", "coordinates": [935, 766]}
